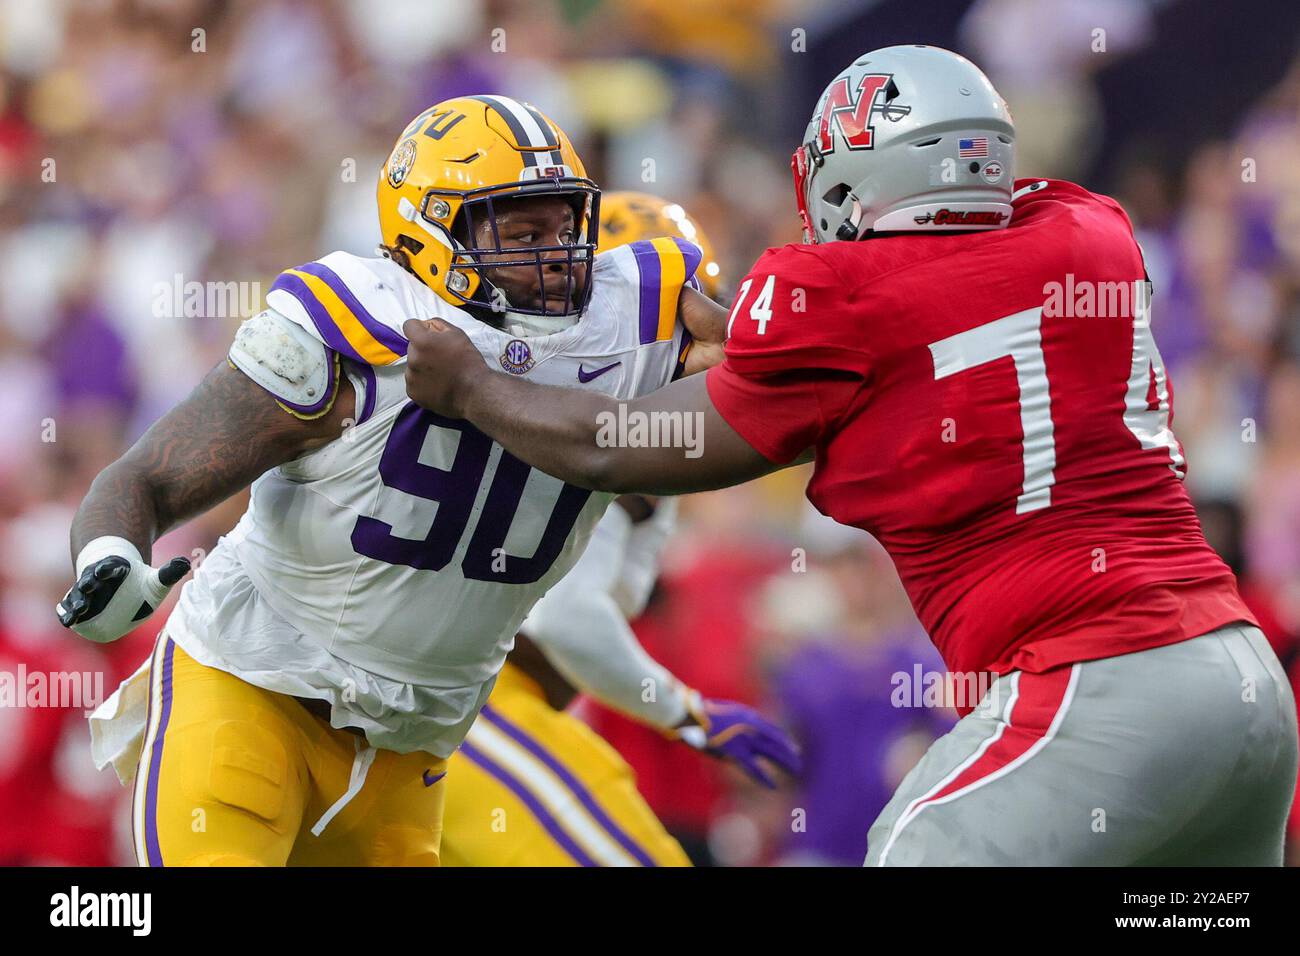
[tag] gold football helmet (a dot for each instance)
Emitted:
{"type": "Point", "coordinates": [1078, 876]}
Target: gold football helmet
{"type": "Point", "coordinates": [452, 167]}
{"type": "Point", "coordinates": [631, 216]}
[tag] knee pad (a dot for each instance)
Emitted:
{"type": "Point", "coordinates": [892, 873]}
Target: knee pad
{"type": "Point", "coordinates": [239, 764]}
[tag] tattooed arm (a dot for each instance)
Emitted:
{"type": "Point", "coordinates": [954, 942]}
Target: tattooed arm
{"type": "Point", "coordinates": [225, 434]}
{"type": "Point", "coordinates": [213, 444]}
{"type": "Point", "coordinates": [210, 446]}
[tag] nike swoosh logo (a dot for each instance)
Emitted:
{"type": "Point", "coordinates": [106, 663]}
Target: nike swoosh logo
{"type": "Point", "coordinates": [430, 781]}
{"type": "Point", "coordinates": [584, 376]}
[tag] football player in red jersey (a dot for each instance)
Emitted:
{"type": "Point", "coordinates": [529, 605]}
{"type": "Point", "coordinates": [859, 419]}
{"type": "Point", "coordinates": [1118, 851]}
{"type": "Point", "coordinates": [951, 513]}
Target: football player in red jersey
{"type": "Point", "coordinates": [969, 361]}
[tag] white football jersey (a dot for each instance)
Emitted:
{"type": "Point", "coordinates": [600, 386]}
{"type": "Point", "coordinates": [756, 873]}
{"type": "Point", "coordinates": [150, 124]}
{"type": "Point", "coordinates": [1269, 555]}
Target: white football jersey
{"type": "Point", "coordinates": [388, 571]}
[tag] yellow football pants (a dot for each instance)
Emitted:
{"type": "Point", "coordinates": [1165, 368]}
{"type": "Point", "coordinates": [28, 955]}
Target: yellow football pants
{"type": "Point", "coordinates": [534, 786]}
{"type": "Point", "coordinates": [234, 775]}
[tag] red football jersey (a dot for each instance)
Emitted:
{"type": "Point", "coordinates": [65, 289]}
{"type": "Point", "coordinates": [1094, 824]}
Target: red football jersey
{"type": "Point", "coordinates": [987, 405]}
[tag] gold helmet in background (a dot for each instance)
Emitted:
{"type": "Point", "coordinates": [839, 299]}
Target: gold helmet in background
{"type": "Point", "coordinates": [631, 217]}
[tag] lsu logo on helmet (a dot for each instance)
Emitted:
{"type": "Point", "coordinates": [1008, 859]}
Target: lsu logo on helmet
{"type": "Point", "coordinates": [400, 163]}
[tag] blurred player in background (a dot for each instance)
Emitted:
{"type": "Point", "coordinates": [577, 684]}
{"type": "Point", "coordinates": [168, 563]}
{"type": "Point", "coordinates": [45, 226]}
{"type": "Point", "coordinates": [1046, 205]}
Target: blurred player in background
{"type": "Point", "coordinates": [1013, 453]}
{"type": "Point", "coordinates": [627, 217]}
{"type": "Point", "coordinates": [532, 785]}
{"type": "Point", "coordinates": [335, 647]}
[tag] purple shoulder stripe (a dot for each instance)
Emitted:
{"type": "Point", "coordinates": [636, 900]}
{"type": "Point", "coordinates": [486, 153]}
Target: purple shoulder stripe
{"type": "Point", "coordinates": [382, 333]}
{"type": "Point", "coordinates": [647, 263]}
{"type": "Point", "coordinates": [329, 332]}
{"type": "Point", "coordinates": [692, 254]}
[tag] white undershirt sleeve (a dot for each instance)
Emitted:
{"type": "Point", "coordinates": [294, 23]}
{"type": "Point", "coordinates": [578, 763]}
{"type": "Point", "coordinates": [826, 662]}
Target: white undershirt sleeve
{"type": "Point", "coordinates": [583, 632]}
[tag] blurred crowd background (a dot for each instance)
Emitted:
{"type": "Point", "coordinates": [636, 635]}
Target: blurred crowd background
{"type": "Point", "coordinates": [145, 144]}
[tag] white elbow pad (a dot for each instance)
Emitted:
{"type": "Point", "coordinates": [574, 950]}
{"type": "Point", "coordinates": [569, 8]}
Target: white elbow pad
{"type": "Point", "coordinates": [283, 358]}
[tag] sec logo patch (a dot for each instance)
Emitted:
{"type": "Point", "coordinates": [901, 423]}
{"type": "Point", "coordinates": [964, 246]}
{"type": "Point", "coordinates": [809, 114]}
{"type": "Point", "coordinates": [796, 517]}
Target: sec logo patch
{"type": "Point", "coordinates": [517, 357]}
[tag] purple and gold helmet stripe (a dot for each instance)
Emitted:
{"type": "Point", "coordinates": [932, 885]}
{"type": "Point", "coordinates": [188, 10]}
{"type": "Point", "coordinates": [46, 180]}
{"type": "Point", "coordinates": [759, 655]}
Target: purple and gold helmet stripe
{"type": "Point", "coordinates": [597, 812]}
{"type": "Point", "coordinates": [342, 322]}
{"type": "Point", "coordinates": [665, 264]}
{"type": "Point", "coordinates": [535, 807]}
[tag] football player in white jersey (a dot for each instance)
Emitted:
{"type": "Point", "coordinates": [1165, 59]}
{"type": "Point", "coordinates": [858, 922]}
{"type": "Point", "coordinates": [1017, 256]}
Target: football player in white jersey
{"type": "Point", "coordinates": [533, 785]}
{"type": "Point", "coordinates": [334, 648]}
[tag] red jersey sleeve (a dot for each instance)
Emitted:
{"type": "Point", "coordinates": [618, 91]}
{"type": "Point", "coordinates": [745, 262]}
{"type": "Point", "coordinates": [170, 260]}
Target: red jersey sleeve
{"type": "Point", "coordinates": [793, 361]}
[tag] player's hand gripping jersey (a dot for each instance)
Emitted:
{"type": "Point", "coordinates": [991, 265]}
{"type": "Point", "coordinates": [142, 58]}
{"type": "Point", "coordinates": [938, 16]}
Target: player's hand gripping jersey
{"type": "Point", "coordinates": [1010, 448]}
{"type": "Point", "coordinates": [388, 571]}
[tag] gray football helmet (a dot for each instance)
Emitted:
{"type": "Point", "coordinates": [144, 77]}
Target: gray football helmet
{"type": "Point", "coordinates": [908, 138]}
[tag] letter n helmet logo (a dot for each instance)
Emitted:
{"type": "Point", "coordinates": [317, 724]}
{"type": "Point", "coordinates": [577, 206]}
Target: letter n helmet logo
{"type": "Point", "coordinates": [853, 110]}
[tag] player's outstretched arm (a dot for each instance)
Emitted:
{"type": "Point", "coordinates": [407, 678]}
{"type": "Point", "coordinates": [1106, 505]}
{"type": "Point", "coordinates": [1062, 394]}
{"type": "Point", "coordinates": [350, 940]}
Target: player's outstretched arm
{"type": "Point", "coordinates": [577, 435]}
{"type": "Point", "coordinates": [226, 433]}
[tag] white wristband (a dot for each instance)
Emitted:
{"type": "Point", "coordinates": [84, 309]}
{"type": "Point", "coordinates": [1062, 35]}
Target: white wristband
{"type": "Point", "coordinates": [106, 546]}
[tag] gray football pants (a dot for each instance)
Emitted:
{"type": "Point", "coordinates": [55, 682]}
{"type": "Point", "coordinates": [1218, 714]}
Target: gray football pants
{"type": "Point", "coordinates": [1179, 755]}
